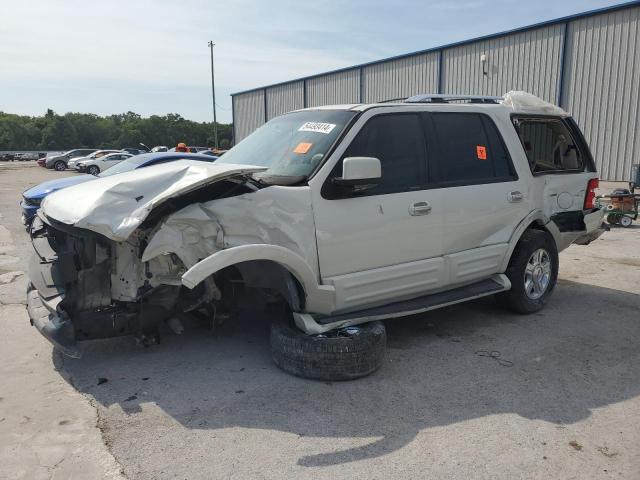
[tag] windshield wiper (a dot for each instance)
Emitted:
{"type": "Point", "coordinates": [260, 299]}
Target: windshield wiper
{"type": "Point", "coordinates": [284, 180]}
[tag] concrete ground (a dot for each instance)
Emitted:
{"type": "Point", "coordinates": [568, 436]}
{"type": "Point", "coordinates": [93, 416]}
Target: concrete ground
{"type": "Point", "coordinates": [204, 405]}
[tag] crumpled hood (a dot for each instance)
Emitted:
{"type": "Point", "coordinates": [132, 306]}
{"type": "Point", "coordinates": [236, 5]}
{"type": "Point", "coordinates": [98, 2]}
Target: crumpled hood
{"type": "Point", "coordinates": [115, 206]}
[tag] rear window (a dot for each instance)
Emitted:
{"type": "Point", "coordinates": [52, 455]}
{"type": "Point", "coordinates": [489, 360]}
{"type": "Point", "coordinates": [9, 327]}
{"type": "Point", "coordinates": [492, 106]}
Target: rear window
{"type": "Point", "coordinates": [549, 145]}
{"type": "Point", "coordinates": [470, 149]}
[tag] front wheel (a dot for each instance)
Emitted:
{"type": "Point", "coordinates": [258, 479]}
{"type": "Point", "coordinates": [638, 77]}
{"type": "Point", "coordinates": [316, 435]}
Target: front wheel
{"type": "Point", "coordinates": [93, 170]}
{"type": "Point", "coordinates": [60, 166]}
{"type": "Point", "coordinates": [533, 272]}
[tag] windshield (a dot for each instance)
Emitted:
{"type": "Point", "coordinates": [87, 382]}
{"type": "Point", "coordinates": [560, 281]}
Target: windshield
{"type": "Point", "coordinates": [129, 164]}
{"type": "Point", "coordinates": [291, 145]}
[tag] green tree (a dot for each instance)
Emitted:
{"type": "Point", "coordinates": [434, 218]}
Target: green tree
{"type": "Point", "coordinates": [58, 134]}
{"type": "Point", "coordinates": [76, 130]}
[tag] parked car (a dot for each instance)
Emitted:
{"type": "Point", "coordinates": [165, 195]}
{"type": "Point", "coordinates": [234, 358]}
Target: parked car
{"type": "Point", "coordinates": [97, 154]}
{"type": "Point", "coordinates": [32, 198]}
{"type": "Point", "coordinates": [26, 156]}
{"type": "Point", "coordinates": [159, 148]}
{"type": "Point", "coordinates": [94, 166]}
{"type": "Point", "coordinates": [135, 151]}
{"type": "Point", "coordinates": [59, 162]}
{"type": "Point", "coordinates": [347, 214]}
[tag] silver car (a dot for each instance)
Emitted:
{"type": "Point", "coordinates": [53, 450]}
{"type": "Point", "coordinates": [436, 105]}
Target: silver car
{"type": "Point", "coordinates": [60, 162]}
{"type": "Point", "coordinates": [97, 154]}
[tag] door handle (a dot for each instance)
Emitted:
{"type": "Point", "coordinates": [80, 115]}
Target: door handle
{"type": "Point", "coordinates": [515, 196]}
{"type": "Point", "coordinates": [419, 208]}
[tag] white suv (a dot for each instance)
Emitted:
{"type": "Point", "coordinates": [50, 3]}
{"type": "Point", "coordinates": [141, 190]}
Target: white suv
{"type": "Point", "coordinates": [349, 214]}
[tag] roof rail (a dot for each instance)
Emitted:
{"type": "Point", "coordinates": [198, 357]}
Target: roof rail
{"type": "Point", "coordinates": [394, 100]}
{"type": "Point", "coordinates": [446, 98]}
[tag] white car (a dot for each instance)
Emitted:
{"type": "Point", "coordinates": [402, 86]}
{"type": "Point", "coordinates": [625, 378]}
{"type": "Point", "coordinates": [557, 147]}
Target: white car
{"type": "Point", "coordinates": [96, 165]}
{"type": "Point", "coordinates": [97, 154]}
{"type": "Point", "coordinates": [348, 214]}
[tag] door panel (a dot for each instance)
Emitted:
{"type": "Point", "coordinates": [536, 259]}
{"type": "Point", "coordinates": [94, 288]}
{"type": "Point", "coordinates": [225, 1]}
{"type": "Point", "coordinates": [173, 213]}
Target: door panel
{"type": "Point", "coordinates": [373, 247]}
{"type": "Point", "coordinates": [359, 234]}
{"type": "Point", "coordinates": [484, 199]}
{"type": "Point", "coordinates": [481, 215]}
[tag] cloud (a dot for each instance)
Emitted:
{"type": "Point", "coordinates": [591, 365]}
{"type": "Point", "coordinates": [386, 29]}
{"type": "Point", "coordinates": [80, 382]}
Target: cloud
{"type": "Point", "coordinates": [152, 56]}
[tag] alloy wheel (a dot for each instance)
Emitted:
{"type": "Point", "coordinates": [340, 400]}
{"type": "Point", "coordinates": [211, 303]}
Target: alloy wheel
{"type": "Point", "coordinates": [537, 274]}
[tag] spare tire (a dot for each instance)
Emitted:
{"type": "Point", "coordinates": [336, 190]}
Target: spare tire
{"type": "Point", "coordinates": [344, 354]}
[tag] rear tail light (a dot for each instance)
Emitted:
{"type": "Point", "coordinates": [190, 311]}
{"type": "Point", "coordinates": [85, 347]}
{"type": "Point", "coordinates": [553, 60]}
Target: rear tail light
{"type": "Point", "coordinates": [590, 197]}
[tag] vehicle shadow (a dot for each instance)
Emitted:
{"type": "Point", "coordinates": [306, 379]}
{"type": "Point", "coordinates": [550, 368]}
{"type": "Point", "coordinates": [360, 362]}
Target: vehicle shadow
{"type": "Point", "coordinates": [580, 353]}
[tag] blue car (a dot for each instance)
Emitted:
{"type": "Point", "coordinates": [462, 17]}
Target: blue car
{"type": "Point", "coordinates": [32, 197]}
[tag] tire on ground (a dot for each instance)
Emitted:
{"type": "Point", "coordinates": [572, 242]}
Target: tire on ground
{"type": "Point", "coordinates": [346, 354]}
{"type": "Point", "coordinates": [516, 299]}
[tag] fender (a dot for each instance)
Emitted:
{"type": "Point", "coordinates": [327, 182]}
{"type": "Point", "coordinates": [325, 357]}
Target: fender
{"type": "Point", "coordinates": [534, 216]}
{"type": "Point", "coordinates": [319, 298]}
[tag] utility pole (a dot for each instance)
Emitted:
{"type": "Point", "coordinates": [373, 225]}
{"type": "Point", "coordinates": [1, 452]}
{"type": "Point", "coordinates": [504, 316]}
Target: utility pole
{"type": "Point", "coordinates": [213, 95]}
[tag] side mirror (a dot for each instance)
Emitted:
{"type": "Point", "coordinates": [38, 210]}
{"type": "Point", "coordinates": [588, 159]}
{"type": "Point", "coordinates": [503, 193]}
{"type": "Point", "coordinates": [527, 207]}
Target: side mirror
{"type": "Point", "coordinates": [359, 173]}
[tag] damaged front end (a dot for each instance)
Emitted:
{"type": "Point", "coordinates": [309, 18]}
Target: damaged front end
{"type": "Point", "coordinates": [84, 286]}
{"type": "Point", "coordinates": [118, 266]}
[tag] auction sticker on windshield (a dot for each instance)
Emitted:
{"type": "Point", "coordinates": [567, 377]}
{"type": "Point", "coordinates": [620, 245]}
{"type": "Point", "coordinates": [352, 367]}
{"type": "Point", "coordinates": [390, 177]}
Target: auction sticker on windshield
{"type": "Point", "coordinates": [317, 127]}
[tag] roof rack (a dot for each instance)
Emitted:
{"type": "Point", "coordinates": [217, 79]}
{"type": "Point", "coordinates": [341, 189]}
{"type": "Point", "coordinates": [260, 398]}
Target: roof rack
{"type": "Point", "coordinates": [445, 98]}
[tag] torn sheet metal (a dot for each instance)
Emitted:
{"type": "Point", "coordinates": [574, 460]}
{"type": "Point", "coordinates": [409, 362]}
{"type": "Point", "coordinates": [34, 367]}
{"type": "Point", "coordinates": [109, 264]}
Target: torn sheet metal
{"type": "Point", "coordinates": [274, 215]}
{"type": "Point", "coordinates": [115, 206]}
{"type": "Point", "coordinates": [526, 102]}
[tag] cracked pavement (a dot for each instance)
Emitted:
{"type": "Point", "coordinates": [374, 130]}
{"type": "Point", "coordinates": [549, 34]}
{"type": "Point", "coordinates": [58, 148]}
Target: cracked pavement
{"type": "Point", "coordinates": [203, 405]}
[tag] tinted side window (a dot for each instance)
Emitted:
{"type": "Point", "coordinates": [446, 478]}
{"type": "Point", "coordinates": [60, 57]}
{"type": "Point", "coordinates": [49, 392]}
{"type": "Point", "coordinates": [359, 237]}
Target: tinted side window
{"type": "Point", "coordinates": [470, 149]}
{"type": "Point", "coordinates": [549, 145]}
{"type": "Point", "coordinates": [397, 140]}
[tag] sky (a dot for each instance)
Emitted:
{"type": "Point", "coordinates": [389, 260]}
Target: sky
{"type": "Point", "coordinates": [151, 56]}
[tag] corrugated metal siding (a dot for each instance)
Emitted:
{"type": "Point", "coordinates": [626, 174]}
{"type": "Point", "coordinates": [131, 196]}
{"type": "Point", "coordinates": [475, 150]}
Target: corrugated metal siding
{"type": "Point", "coordinates": [400, 78]}
{"type": "Point", "coordinates": [248, 111]}
{"type": "Point", "coordinates": [601, 80]}
{"type": "Point", "coordinates": [527, 61]}
{"type": "Point", "coordinates": [284, 98]}
{"type": "Point", "coordinates": [336, 88]}
{"type": "Point", "coordinates": [602, 87]}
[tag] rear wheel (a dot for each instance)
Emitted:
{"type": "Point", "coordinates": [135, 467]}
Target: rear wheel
{"type": "Point", "coordinates": [60, 166]}
{"type": "Point", "coordinates": [344, 354]}
{"type": "Point", "coordinates": [533, 272]}
{"type": "Point", "coordinates": [93, 170]}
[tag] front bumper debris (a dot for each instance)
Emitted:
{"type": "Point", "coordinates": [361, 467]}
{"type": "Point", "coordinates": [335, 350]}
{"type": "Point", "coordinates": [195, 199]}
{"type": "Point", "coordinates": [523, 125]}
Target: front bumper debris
{"type": "Point", "coordinates": [50, 323]}
{"type": "Point", "coordinates": [595, 226]}
{"type": "Point", "coordinates": [591, 236]}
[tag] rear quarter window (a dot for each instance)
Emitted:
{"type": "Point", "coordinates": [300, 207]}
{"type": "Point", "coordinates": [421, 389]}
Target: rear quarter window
{"type": "Point", "coordinates": [552, 145]}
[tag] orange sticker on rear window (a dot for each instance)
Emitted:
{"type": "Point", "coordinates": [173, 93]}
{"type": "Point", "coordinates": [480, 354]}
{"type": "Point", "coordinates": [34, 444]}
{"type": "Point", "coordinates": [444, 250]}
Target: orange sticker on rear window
{"type": "Point", "coordinates": [481, 152]}
{"type": "Point", "coordinates": [302, 147]}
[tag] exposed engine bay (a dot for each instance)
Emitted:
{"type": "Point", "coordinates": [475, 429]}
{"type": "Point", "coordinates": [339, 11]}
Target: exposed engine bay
{"type": "Point", "coordinates": [89, 286]}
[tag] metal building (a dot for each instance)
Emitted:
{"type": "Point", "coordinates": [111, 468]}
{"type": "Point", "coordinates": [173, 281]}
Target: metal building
{"type": "Point", "coordinates": [587, 63]}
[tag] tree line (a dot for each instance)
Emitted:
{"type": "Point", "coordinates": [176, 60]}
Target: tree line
{"type": "Point", "coordinates": [85, 130]}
